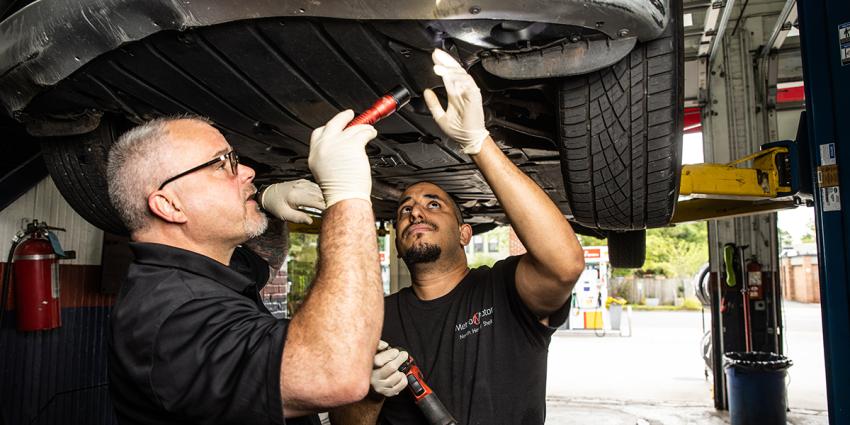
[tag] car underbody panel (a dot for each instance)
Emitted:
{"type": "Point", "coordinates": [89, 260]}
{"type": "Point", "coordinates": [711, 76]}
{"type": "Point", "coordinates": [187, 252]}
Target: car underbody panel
{"type": "Point", "coordinates": [267, 83]}
{"type": "Point", "coordinates": [579, 92]}
{"type": "Point", "coordinates": [47, 40]}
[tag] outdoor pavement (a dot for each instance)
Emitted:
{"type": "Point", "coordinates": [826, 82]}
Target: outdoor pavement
{"type": "Point", "coordinates": [601, 412]}
{"type": "Point", "coordinates": [657, 375]}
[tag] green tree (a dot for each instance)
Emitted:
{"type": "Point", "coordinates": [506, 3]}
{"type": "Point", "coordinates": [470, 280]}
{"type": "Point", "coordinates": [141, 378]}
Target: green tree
{"type": "Point", "coordinates": [809, 236]}
{"type": "Point", "coordinates": [303, 253]}
{"type": "Point", "coordinates": [785, 238]}
{"type": "Point", "coordinates": [676, 251]}
{"type": "Point", "coordinates": [502, 236]}
{"type": "Point", "coordinates": [585, 240]}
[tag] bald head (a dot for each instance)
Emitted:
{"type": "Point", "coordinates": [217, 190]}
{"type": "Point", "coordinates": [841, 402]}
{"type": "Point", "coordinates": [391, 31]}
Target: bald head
{"type": "Point", "coordinates": [140, 160]}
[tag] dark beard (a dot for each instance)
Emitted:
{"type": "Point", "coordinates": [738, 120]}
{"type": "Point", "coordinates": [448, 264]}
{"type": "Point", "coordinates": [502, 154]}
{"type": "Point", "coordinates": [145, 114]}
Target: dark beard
{"type": "Point", "coordinates": [427, 253]}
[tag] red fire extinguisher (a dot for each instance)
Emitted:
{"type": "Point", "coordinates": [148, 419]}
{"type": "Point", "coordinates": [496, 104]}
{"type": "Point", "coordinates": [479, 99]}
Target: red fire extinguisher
{"type": "Point", "coordinates": [35, 256]}
{"type": "Point", "coordinates": [754, 279]}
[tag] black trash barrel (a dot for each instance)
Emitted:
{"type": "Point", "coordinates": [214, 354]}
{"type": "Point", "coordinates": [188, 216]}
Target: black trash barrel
{"type": "Point", "coordinates": [755, 382]}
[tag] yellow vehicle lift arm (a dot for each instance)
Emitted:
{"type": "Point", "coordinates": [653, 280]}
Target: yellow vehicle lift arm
{"type": "Point", "coordinates": [727, 190]}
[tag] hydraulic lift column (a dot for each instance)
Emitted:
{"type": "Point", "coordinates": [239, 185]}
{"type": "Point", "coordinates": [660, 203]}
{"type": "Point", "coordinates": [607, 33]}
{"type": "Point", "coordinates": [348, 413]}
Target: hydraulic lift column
{"type": "Point", "coordinates": [825, 44]}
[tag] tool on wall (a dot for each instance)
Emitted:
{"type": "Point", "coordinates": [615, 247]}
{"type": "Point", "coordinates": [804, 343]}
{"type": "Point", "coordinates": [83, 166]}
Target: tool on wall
{"type": "Point", "coordinates": [733, 254]}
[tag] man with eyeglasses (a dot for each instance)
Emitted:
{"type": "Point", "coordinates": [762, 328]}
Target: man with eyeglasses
{"type": "Point", "coordinates": [190, 340]}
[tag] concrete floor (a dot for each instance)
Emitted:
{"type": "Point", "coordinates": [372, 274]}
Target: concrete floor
{"type": "Point", "coordinates": [657, 375]}
{"type": "Point", "coordinates": [611, 412]}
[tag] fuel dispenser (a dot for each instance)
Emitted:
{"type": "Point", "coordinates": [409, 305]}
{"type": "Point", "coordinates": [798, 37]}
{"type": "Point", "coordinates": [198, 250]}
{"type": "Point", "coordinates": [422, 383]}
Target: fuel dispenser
{"type": "Point", "coordinates": [591, 291]}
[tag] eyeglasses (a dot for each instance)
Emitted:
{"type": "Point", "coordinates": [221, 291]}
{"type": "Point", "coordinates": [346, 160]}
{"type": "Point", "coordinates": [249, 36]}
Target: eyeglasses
{"type": "Point", "coordinates": [231, 157]}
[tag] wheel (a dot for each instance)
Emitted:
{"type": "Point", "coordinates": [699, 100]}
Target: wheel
{"type": "Point", "coordinates": [77, 165]}
{"type": "Point", "coordinates": [481, 228]}
{"type": "Point", "coordinates": [627, 250]}
{"type": "Point", "coordinates": [621, 137]}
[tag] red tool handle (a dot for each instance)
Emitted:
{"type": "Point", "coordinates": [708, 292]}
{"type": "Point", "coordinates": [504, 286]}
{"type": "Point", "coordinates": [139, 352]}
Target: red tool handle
{"type": "Point", "coordinates": [428, 403]}
{"type": "Point", "coordinates": [392, 101]}
{"type": "Point", "coordinates": [416, 382]}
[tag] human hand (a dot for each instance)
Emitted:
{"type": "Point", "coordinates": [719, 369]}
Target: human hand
{"type": "Point", "coordinates": [282, 200]}
{"type": "Point", "coordinates": [338, 159]}
{"type": "Point", "coordinates": [463, 120]}
{"type": "Point", "coordinates": [386, 379]}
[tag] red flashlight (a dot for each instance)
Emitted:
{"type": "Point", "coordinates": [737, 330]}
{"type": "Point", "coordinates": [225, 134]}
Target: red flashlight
{"type": "Point", "coordinates": [383, 107]}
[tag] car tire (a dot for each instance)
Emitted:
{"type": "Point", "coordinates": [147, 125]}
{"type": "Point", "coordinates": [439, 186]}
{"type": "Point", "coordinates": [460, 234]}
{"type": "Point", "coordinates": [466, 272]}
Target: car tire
{"type": "Point", "coordinates": [621, 137]}
{"type": "Point", "coordinates": [77, 165]}
{"type": "Point", "coordinates": [627, 250]}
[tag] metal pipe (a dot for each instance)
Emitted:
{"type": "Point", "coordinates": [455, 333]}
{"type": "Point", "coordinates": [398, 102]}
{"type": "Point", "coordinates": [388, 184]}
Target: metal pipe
{"type": "Point", "coordinates": [692, 6]}
{"type": "Point", "coordinates": [718, 38]}
{"type": "Point", "coordinates": [745, 301]}
{"type": "Point", "coordinates": [709, 29]}
{"type": "Point", "coordinates": [780, 22]}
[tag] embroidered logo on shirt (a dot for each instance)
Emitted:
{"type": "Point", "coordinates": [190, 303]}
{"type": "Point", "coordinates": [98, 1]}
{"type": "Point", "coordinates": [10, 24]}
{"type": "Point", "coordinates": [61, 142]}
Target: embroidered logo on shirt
{"type": "Point", "coordinates": [473, 325]}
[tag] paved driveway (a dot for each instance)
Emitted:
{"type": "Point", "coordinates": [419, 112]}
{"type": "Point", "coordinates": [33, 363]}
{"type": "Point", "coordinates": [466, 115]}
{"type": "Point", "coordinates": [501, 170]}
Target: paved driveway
{"type": "Point", "coordinates": [660, 362]}
{"type": "Point", "coordinates": [660, 369]}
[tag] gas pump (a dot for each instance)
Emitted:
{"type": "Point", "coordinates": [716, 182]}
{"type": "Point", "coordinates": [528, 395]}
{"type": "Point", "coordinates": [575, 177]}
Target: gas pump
{"type": "Point", "coordinates": [591, 291]}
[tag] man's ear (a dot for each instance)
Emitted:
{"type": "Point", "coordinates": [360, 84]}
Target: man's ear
{"type": "Point", "coordinates": [465, 234]}
{"type": "Point", "coordinates": [395, 240]}
{"type": "Point", "coordinates": [166, 205]}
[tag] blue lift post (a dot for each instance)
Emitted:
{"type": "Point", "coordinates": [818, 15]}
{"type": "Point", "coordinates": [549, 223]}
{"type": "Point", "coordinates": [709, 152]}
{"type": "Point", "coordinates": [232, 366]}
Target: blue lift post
{"type": "Point", "coordinates": [825, 40]}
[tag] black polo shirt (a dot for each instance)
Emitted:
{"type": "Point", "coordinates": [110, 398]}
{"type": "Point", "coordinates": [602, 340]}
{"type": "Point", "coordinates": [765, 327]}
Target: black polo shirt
{"type": "Point", "coordinates": [191, 342]}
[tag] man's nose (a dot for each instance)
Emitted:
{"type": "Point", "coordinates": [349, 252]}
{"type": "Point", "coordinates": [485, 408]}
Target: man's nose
{"type": "Point", "coordinates": [246, 173]}
{"type": "Point", "coordinates": [416, 212]}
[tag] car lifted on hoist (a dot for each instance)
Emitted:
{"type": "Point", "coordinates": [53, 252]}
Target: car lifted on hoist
{"type": "Point", "coordinates": [586, 97]}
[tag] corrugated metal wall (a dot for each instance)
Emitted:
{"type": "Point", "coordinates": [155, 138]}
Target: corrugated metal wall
{"type": "Point", "coordinates": [44, 203]}
{"type": "Point", "coordinates": [57, 376]}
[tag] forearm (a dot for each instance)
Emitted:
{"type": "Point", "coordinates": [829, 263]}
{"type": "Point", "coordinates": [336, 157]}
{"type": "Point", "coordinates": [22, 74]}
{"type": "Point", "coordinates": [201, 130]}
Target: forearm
{"type": "Point", "coordinates": [545, 276]}
{"type": "Point", "coordinates": [363, 412]}
{"type": "Point", "coordinates": [331, 341]}
{"type": "Point", "coordinates": [533, 215]}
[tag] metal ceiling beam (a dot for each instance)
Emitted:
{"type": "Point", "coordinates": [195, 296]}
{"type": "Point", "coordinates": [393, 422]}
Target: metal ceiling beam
{"type": "Point", "coordinates": [721, 29]}
{"type": "Point", "coordinates": [709, 28]}
{"type": "Point", "coordinates": [698, 5]}
{"type": "Point", "coordinates": [784, 23]}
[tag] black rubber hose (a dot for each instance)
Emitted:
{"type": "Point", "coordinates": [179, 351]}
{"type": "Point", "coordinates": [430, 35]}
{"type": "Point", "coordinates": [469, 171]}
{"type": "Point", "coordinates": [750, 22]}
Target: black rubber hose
{"type": "Point", "coordinates": [7, 277]}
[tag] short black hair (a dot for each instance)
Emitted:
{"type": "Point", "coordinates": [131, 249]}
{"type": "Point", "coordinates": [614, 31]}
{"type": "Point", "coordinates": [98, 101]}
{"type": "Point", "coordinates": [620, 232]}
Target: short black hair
{"type": "Point", "coordinates": [451, 199]}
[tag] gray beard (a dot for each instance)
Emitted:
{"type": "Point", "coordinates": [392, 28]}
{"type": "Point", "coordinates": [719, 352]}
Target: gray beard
{"type": "Point", "coordinates": [256, 227]}
{"type": "Point", "coordinates": [427, 253]}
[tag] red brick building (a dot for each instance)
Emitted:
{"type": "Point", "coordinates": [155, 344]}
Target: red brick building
{"type": "Point", "coordinates": [798, 268]}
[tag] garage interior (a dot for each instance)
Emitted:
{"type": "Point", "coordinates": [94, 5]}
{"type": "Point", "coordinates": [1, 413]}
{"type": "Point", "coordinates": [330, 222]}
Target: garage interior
{"type": "Point", "coordinates": [756, 72]}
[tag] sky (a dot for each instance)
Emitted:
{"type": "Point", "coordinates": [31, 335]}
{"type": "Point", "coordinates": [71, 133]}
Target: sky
{"type": "Point", "coordinates": [795, 221]}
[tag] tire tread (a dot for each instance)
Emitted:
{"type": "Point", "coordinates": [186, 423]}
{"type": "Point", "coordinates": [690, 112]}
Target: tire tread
{"type": "Point", "coordinates": [620, 134]}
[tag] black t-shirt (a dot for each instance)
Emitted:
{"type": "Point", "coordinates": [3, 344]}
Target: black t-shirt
{"type": "Point", "coordinates": [480, 349]}
{"type": "Point", "coordinates": [191, 342]}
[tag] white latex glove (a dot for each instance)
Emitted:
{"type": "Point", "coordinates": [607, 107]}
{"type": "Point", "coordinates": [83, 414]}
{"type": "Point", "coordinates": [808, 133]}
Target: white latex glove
{"type": "Point", "coordinates": [463, 120]}
{"type": "Point", "coordinates": [338, 159]}
{"type": "Point", "coordinates": [386, 379]}
{"type": "Point", "coordinates": [282, 199]}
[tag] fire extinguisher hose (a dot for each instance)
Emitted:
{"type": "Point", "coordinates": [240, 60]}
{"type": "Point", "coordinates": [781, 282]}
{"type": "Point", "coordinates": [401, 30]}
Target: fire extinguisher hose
{"type": "Point", "coordinates": [7, 277]}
